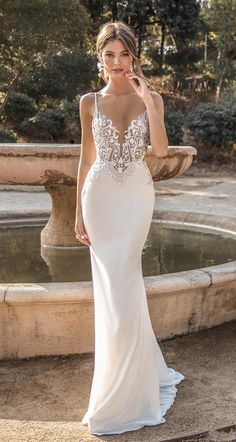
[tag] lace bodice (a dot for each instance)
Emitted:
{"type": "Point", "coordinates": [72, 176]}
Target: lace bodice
{"type": "Point", "coordinates": [120, 157]}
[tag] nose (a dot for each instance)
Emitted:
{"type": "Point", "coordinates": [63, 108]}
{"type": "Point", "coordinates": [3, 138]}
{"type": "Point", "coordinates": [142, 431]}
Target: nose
{"type": "Point", "coordinates": [117, 59]}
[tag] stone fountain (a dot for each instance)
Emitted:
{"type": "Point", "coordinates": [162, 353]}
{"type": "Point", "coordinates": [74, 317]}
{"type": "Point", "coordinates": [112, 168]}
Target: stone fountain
{"type": "Point", "coordinates": [55, 167]}
{"type": "Point", "coordinates": [58, 318]}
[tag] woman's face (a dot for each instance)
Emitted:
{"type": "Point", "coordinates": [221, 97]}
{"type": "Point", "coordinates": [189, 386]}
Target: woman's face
{"type": "Point", "coordinates": [116, 59]}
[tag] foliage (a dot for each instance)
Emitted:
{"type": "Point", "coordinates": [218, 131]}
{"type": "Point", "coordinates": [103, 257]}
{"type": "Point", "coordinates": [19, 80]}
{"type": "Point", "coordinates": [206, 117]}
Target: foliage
{"type": "Point", "coordinates": [173, 124]}
{"type": "Point", "coordinates": [72, 132]}
{"type": "Point", "coordinates": [19, 107]}
{"type": "Point", "coordinates": [213, 125]}
{"type": "Point", "coordinates": [47, 51]}
{"type": "Point", "coordinates": [181, 19]}
{"type": "Point", "coordinates": [47, 124]}
{"type": "Point", "coordinates": [220, 18]}
{"type": "Point", "coordinates": [228, 96]}
{"type": "Point", "coordinates": [138, 14]}
{"type": "Point", "coordinates": [70, 109]}
{"type": "Point", "coordinates": [184, 59]}
{"type": "Point", "coordinates": [32, 28]}
{"type": "Point", "coordinates": [174, 51]}
{"type": "Point", "coordinates": [157, 23]}
{"type": "Point", "coordinates": [7, 136]}
{"type": "Point", "coordinates": [61, 75]}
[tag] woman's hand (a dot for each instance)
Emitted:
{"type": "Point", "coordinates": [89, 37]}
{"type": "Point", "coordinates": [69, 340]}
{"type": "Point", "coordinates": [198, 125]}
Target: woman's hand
{"type": "Point", "coordinates": [141, 88]}
{"type": "Point", "coordinates": [80, 231]}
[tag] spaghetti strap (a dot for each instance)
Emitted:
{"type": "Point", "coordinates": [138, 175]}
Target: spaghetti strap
{"type": "Point", "coordinates": [96, 102]}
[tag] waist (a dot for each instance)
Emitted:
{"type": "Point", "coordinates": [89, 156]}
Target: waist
{"type": "Point", "coordinates": [121, 168]}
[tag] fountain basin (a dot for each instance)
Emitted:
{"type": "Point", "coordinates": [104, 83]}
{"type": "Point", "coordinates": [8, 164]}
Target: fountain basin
{"type": "Point", "coordinates": [43, 164]}
{"type": "Point", "coordinates": [55, 167]}
{"type": "Point", "coordinates": [58, 318]}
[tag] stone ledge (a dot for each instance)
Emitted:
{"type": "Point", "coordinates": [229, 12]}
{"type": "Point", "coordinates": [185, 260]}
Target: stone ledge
{"type": "Point", "coordinates": [65, 150]}
{"type": "Point", "coordinates": [208, 221]}
{"type": "Point", "coordinates": [82, 291]}
{"type": "Point", "coordinates": [58, 318]}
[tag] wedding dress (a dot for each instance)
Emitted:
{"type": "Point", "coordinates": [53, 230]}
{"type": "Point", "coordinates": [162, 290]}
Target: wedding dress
{"type": "Point", "coordinates": [132, 385]}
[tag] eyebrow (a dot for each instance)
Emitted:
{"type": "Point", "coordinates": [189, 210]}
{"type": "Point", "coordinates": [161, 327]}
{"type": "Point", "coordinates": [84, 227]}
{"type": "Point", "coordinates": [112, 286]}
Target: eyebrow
{"type": "Point", "coordinates": [113, 52]}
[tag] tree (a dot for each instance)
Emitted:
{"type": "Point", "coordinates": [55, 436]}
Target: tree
{"type": "Point", "coordinates": [157, 24]}
{"type": "Point", "coordinates": [220, 16]}
{"type": "Point", "coordinates": [61, 75]}
{"type": "Point", "coordinates": [29, 29]}
{"type": "Point", "coordinates": [139, 14]}
{"type": "Point", "coordinates": [180, 24]}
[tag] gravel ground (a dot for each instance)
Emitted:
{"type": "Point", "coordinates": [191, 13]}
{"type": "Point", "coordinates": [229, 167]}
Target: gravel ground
{"type": "Point", "coordinates": [44, 399]}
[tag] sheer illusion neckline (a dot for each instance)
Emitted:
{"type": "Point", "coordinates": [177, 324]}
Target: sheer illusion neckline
{"type": "Point", "coordinates": [113, 127]}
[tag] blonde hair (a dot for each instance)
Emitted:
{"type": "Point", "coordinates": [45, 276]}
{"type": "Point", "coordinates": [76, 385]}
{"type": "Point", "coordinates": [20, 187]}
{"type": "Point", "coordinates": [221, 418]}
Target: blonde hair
{"type": "Point", "coordinates": [118, 30]}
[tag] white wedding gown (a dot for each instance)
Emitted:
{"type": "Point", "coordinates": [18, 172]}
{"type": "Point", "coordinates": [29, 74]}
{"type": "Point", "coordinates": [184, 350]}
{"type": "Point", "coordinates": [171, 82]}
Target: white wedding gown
{"type": "Point", "coordinates": [132, 385]}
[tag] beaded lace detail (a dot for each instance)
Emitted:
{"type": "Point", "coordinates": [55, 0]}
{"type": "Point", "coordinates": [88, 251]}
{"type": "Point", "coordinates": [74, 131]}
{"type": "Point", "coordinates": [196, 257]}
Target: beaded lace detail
{"type": "Point", "coordinates": [119, 159]}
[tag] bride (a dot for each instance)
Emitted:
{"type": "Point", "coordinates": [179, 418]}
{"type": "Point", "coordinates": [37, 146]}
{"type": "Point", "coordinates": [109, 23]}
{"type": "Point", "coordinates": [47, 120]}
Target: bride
{"type": "Point", "coordinates": [132, 385]}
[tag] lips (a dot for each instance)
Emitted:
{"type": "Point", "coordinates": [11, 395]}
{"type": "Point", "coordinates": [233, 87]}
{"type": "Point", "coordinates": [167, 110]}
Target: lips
{"type": "Point", "coordinates": [117, 70]}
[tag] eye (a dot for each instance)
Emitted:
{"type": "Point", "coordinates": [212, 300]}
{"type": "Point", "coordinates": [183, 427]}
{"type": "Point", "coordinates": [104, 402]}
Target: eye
{"type": "Point", "coordinates": [126, 54]}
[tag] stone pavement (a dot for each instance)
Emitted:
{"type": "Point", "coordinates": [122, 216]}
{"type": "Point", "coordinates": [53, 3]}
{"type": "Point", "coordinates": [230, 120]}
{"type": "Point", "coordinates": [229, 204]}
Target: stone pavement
{"type": "Point", "coordinates": [209, 201]}
{"type": "Point", "coordinates": [216, 199]}
{"type": "Point", "coordinates": [186, 194]}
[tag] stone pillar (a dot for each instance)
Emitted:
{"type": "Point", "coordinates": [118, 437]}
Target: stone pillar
{"type": "Point", "coordinates": [59, 231]}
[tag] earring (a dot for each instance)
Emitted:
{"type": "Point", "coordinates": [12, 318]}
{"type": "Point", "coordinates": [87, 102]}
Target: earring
{"type": "Point", "coordinates": [100, 68]}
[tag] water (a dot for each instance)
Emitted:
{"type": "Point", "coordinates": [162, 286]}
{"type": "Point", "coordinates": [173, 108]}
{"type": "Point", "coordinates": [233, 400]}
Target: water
{"type": "Point", "coordinates": [166, 250]}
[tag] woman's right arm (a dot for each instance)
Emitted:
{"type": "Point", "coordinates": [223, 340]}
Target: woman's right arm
{"type": "Point", "coordinates": [87, 157]}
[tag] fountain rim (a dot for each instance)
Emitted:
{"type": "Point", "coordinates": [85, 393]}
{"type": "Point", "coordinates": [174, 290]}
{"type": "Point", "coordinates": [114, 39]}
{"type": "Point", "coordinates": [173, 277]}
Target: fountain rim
{"type": "Point", "coordinates": [62, 150]}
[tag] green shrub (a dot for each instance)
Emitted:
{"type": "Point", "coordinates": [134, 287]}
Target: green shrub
{"type": "Point", "coordinates": [70, 109]}
{"type": "Point", "coordinates": [7, 136]}
{"type": "Point", "coordinates": [19, 106]}
{"type": "Point", "coordinates": [173, 124]}
{"type": "Point", "coordinates": [72, 132]}
{"type": "Point", "coordinates": [47, 124]}
{"type": "Point", "coordinates": [61, 75]}
{"type": "Point", "coordinates": [213, 125]}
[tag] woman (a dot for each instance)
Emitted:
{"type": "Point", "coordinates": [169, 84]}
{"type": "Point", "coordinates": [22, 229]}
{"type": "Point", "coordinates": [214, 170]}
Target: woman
{"type": "Point", "coordinates": [132, 385]}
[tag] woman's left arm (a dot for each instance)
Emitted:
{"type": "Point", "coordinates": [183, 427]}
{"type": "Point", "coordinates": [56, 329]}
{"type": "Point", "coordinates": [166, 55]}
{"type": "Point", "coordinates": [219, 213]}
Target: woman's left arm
{"type": "Point", "coordinates": [155, 110]}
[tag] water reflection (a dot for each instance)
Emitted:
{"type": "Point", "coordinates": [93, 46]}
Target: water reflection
{"type": "Point", "coordinates": [166, 250]}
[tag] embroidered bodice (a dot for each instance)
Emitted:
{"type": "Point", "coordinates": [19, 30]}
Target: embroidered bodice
{"type": "Point", "coordinates": [118, 159]}
{"type": "Point", "coordinates": [121, 158]}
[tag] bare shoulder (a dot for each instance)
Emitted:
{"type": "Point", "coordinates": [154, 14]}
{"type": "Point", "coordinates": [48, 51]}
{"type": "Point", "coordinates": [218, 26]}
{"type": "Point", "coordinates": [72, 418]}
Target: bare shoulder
{"type": "Point", "coordinates": [159, 103]}
{"type": "Point", "coordinates": [157, 97]}
{"type": "Point", "coordinates": [87, 103]}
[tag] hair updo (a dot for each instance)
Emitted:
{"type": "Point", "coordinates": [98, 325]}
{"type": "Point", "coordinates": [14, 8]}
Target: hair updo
{"type": "Point", "coordinates": [117, 31]}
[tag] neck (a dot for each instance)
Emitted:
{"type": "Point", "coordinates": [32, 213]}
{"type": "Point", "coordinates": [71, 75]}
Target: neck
{"type": "Point", "coordinates": [119, 87]}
